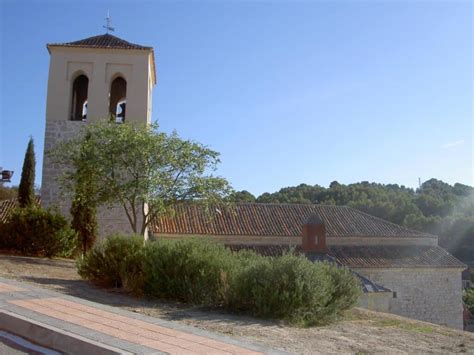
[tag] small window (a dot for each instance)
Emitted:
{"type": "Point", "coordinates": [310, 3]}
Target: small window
{"type": "Point", "coordinates": [118, 100]}
{"type": "Point", "coordinates": [394, 295]}
{"type": "Point", "coordinates": [80, 88]}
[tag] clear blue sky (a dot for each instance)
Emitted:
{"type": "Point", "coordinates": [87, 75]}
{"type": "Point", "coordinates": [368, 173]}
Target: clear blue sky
{"type": "Point", "coordinates": [288, 92]}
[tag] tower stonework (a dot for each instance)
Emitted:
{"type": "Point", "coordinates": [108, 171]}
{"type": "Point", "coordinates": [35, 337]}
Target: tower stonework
{"type": "Point", "coordinates": [97, 78]}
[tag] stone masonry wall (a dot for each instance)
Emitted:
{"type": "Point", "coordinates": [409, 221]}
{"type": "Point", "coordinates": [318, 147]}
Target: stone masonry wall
{"type": "Point", "coordinates": [432, 295]}
{"type": "Point", "coordinates": [56, 131]}
{"type": "Point", "coordinates": [111, 220]}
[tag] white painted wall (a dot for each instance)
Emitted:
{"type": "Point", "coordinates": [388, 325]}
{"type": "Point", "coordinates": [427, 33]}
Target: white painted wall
{"type": "Point", "coordinates": [101, 66]}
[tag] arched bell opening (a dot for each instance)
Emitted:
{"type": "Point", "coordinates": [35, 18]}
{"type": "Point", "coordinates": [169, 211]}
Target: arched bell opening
{"type": "Point", "coordinates": [80, 88]}
{"type": "Point", "coordinates": [118, 100]}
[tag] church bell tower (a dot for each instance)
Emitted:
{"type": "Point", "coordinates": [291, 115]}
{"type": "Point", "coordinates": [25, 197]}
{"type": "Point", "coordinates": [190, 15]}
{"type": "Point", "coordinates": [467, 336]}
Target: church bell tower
{"type": "Point", "coordinates": [96, 78]}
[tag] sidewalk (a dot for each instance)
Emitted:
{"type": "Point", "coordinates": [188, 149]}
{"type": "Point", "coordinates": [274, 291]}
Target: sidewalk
{"type": "Point", "coordinates": [75, 325]}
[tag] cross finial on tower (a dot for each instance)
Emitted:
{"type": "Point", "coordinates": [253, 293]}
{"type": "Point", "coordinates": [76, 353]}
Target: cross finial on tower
{"type": "Point", "coordinates": [107, 24]}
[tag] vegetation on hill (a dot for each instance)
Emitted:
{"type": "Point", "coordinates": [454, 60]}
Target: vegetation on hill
{"type": "Point", "coordinates": [436, 207]}
{"type": "Point", "coordinates": [8, 193]}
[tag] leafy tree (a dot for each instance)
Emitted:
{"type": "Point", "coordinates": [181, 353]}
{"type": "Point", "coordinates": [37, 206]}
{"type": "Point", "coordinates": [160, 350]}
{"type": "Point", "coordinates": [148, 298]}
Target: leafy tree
{"type": "Point", "coordinates": [26, 190]}
{"type": "Point", "coordinates": [84, 222]}
{"type": "Point", "coordinates": [241, 196]}
{"type": "Point", "coordinates": [84, 204]}
{"type": "Point", "coordinates": [143, 170]}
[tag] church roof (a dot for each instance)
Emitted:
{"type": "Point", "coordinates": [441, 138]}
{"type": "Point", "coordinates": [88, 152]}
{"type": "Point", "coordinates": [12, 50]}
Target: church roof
{"type": "Point", "coordinates": [277, 220]}
{"type": "Point", "coordinates": [369, 256]}
{"type": "Point", "coordinates": [7, 206]}
{"type": "Point", "coordinates": [106, 41]}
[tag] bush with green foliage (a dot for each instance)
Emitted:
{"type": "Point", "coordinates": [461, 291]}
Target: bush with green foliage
{"type": "Point", "coordinates": [115, 262]}
{"type": "Point", "coordinates": [203, 272]}
{"type": "Point", "coordinates": [36, 231]}
{"type": "Point", "coordinates": [192, 270]}
{"type": "Point", "coordinates": [468, 298]}
{"type": "Point", "coordinates": [293, 288]}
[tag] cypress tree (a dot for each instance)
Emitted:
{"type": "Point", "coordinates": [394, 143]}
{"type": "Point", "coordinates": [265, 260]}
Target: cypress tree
{"type": "Point", "coordinates": [26, 190]}
{"type": "Point", "coordinates": [84, 205]}
{"type": "Point", "coordinates": [84, 222]}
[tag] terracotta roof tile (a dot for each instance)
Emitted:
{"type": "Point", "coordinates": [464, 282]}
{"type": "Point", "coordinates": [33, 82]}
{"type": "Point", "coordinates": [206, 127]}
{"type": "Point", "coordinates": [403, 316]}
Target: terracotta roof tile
{"type": "Point", "coordinates": [394, 256]}
{"type": "Point", "coordinates": [379, 256]}
{"type": "Point", "coordinates": [6, 206]}
{"type": "Point", "coordinates": [262, 219]}
{"type": "Point", "coordinates": [107, 41]}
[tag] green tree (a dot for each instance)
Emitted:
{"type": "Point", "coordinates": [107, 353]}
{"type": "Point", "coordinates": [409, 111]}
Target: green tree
{"type": "Point", "coordinates": [241, 196]}
{"type": "Point", "coordinates": [84, 222]}
{"type": "Point", "coordinates": [84, 203]}
{"type": "Point", "coordinates": [26, 190]}
{"type": "Point", "coordinates": [143, 170]}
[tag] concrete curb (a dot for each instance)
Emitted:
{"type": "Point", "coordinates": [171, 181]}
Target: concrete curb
{"type": "Point", "coordinates": [52, 337]}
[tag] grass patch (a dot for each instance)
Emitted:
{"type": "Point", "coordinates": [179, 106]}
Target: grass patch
{"type": "Point", "coordinates": [404, 325]}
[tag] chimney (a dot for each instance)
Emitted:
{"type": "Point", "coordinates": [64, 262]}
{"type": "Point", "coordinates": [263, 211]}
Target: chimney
{"type": "Point", "coordinates": [314, 235]}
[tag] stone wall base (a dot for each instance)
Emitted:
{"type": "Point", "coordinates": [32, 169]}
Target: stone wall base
{"type": "Point", "coordinates": [432, 295]}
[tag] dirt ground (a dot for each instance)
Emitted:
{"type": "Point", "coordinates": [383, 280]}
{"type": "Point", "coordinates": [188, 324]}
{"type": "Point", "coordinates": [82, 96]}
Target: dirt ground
{"type": "Point", "coordinates": [360, 332]}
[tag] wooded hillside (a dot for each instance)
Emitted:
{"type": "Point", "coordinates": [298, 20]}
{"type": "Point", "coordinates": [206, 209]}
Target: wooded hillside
{"type": "Point", "coordinates": [436, 207]}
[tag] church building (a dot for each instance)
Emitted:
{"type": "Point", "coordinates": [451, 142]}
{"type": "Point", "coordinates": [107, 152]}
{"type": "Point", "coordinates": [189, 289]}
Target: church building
{"type": "Point", "coordinates": [97, 78]}
{"type": "Point", "coordinates": [402, 271]}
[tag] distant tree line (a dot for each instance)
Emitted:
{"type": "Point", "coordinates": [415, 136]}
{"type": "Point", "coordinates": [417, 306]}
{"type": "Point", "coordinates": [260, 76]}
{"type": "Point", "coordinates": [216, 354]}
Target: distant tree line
{"type": "Point", "coordinates": [436, 207]}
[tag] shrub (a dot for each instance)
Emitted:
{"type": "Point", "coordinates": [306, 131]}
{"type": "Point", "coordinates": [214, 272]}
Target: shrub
{"type": "Point", "coordinates": [203, 272]}
{"type": "Point", "coordinates": [345, 290]}
{"type": "Point", "coordinates": [36, 231]}
{"type": "Point", "coordinates": [290, 287]}
{"type": "Point", "coordinates": [115, 262]}
{"type": "Point", "coordinates": [468, 298]}
{"type": "Point", "coordinates": [189, 270]}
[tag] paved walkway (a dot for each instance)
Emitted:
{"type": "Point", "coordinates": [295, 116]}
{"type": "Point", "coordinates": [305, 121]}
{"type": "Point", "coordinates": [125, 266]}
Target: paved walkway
{"type": "Point", "coordinates": [128, 331]}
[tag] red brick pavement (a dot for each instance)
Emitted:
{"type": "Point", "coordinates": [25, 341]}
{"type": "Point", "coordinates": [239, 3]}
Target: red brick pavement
{"type": "Point", "coordinates": [132, 330]}
{"type": "Point", "coordinates": [9, 288]}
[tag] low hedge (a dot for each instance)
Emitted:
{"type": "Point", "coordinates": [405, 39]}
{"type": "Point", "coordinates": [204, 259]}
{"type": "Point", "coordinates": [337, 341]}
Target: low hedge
{"type": "Point", "coordinates": [37, 231]}
{"type": "Point", "coordinates": [115, 262]}
{"type": "Point", "coordinates": [202, 272]}
{"type": "Point", "coordinates": [192, 270]}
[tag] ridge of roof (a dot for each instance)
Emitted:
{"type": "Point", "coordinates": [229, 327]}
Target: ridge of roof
{"type": "Point", "coordinates": [101, 41]}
